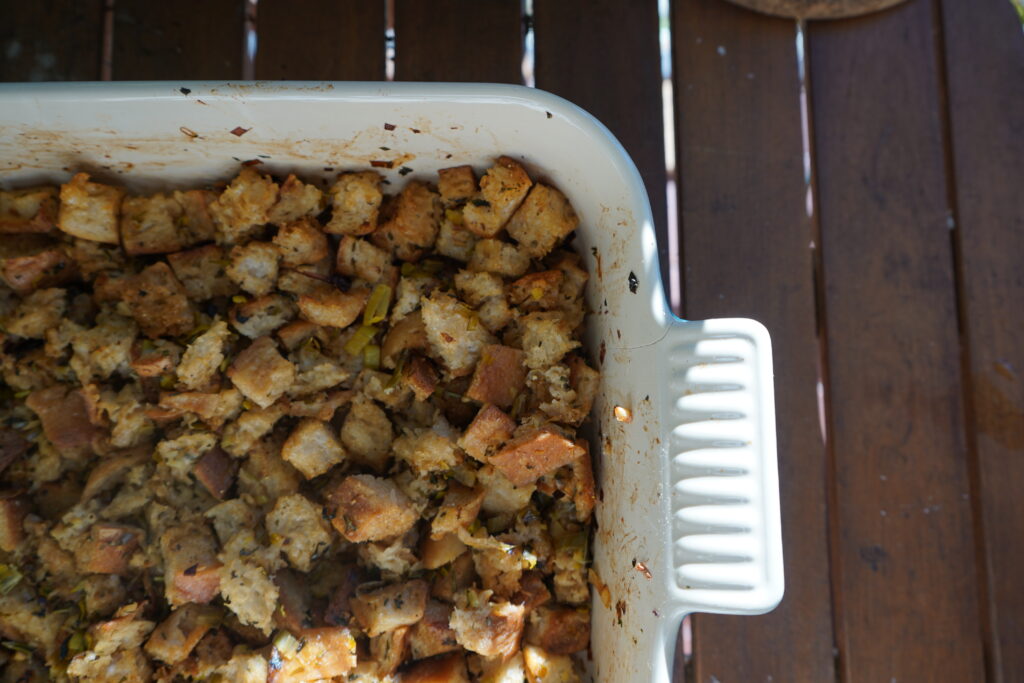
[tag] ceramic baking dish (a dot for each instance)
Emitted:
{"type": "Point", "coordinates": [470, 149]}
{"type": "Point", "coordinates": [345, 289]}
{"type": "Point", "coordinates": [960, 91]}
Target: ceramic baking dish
{"type": "Point", "coordinates": [689, 513]}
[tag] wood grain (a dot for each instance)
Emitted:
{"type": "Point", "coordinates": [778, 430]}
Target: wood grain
{"type": "Point", "coordinates": [603, 55]}
{"type": "Point", "coordinates": [745, 236]}
{"type": "Point", "coordinates": [50, 40]}
{"type": "Point", "coordinates": [984, 56]}
{"type": "Point", "coordinates": [186, 39]}
{"type": "Point", "coordinates": [327, 40]}
{"type": "Point", "coordinates": [903, 554]}
{"type": "Point", "coordinates": [458, 40]}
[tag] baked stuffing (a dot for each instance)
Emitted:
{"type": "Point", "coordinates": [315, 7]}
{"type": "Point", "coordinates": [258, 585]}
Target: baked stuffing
{"type": "Point", "coordinates": [270, 432]}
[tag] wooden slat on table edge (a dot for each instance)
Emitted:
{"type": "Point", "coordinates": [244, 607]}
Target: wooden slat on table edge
{"type": "Point", "coordinates": [186, 39]}
{"type": "Point", "coordinates": [745, 252]}
{"type": "Point", "coordinates": [51, 40]}
{"type": "Point", "coordinates": [903, 544]}
{"type": "Point", "coordinates": [458, 40]}
{"type": "Point", "coordinates": [603, 55]}
{"type": "Point", "coordinates": [326, 40]}
{"type": "Point", "coordinates": [984, 57]}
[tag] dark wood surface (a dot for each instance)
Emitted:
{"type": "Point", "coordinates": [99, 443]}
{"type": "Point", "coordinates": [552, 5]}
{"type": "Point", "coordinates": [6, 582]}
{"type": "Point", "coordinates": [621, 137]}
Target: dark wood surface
{"type": "Point", "coordinates": [742, 210]}
{"type": "Point", "coordinates": [900, 295]}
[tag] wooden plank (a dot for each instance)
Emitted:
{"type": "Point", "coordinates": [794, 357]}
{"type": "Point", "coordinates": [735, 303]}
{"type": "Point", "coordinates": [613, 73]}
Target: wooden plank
{"type": "Point", "coordinates": [903, 553]}
{"type": "Point", "coordinates": [458, 40]}
{"type": "Point", "coordinates": [327, 40]}
{"type": "Point", "coordinates": [745, 235]}
{"type": "Point", "coordinates": [186, 39]}
{"type": "Point", "coordinates": [604, 56]}
{"type": "Point", "coordinates": [984, 55]}
{"type": "Point", "coordinates": [51, 40]}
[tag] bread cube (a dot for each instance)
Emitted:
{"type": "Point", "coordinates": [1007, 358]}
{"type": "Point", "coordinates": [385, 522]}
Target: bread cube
{"type": "Point", "coordinates": [545, 667]}
{"type": "Point", "coordinates": [153, 225]}
{"type": "Point", "coordinates": [390, 607]}
{"type": "Point", "coordinates": [312, 448]}
{"type": "Point", "coordinates": [263, 315]}
{"type": "Point", "coordinates": [490, 629]}
{"type": "Point", "coordinates": [197, 221]}
{"type": "Point", "coordinates": [244, 206]}
{"type": "Point", "coordinates": [40, 311]}
{"type": "Point", "coordinates": [537, 291]}
{"type": "Point", "coordinates": [361, 259]}
{"type": "Point", "coordinates": [459, 509]}
{"type": "Point", "coordinates": [502, 190]}
{"type": "Point", "coordinates": [261, 373]}
{"type": "Point", "coordinates": [537, 453]}
{"type": "Point", "coordinates": [454, 241]}
{"type": "Point", "coordinates": [300, 528]}
{"type": "Point", "coordinates": [406, 335]}
{"type": "Point", "coordinates": [410, 224]}
{"type": "Point", "coordinates": [547, 337]}
{"type": "Point", "coordinates": [296, 333]}
{"type": "Point", "coordinates": [367, 434]}
{"type": "Point", "coordinates": [544, 220]}
{"type": "Point", "coordinates": [489, 429]}
{"type": "Point", "coordinates": [176, 636]}
{"type": "Point", "coordinates": [454, 332]}
{"type": "Point", "coordinates": [301, 242]}
{"type": "Point", "coordinates": [216, 472]}
{"type": "Point", "coordinates": [477, 287]}
{"type": "Point", "coordinates": [64, 416]}
{"type": "Point", "coordinates": [32, 209]}
{"type": "Point", "coordinates": [330, 307]}
{"type": "Point", "coordinates": [158, 302]}
{"type": "Point", "coordinates": [451, 668]}
{"type": "Point", "coordinates": [108, 549]}
{"type": "Point", "coordinates": [456, 184]}
{"type": "Point", "coordinates": [502, 258]}
{"type": "Point", "coordinates": [201, 361]}
{"type": "Point", "coordinates": [313, 654]}
{"type": "Point", "coordinates": [296, 200]}
{"type": "Point", "coordinates": [254, 267]}
{"type": "Point", "coordinates": [421, 377]}
{"type": "Point", "coordinates": [202, 272]}
{"type": "Point", "coordinates": [31, 262]}
{"type": "Point", "coordinates": [240, 436]}
{"type": "Point", "coordinates": [499, 376]}
{"type": "Point", "coordinates": [368, 508]}
{"type": "Point", "coordinates": [355, 203]}
{"type": "Point", "coordinates": [13, 509]}
{"type": "Point", "coordinates": [559, 630]}
{"type": "Point", "coordinates": [431, 635]}
{"type": "Point", "coordinates": [153, 359]}
{"type": "Point", "coordinates": [213, 408]}
{"type": "Point", "coordinates": [427, 451]}
{"type": "Point", "coordinates": [501, 495]}
{"type": "Point", "coordinates": [248, 591]}
{"type": "Point", "coordinates": [89, 210]}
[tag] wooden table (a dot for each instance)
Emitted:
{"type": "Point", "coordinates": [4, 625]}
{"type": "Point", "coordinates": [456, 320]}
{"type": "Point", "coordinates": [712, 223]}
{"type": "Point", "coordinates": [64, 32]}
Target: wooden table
{"type": "Point", "coordinates": [882, 244]}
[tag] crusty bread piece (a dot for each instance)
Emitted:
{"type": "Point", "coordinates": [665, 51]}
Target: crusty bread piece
{"type": "Point", "coordinates": [158, 302]}
{"type": "Point", "coordinates": [31, 262]}
{"type": "Point", "coordinates": [202, 272]}
{"type": "Point", "coordinates": [456, 184]}
{"type": "Point", "coordinates": [90, 210]}
{"type": "Point", "coordinates": [253, 266]}
{"type": "Point", "coordinates": [330, 307]}
{"type": "Point", "coordinates": [301, 529]}
{"type": "Point", "coordinates": [360, 258]}
{"type": "Point", "coordinates": [488, 430]}
{"type": "Point", "coordinates": [490, 629]}
{"type": "Point", "coordinates": [499, 376]}
{"type": "Point", "coordinates": [449, 668]}
{"type": "Point", "coordinates": [175, 637]}
{"type": "Point", "coordinates": [544, 220]}
{"type": "Point", "coordinates": [547, 337]}
{"type": "Point", "coordinates": [261, 373]}
{"type": "Point", "coordinates": [301, 242]}
{"type": "Point", "coordinates": [411, 223]}
{"type": "Point", "coordinates": [501, 258]}
{"type": "Point", "coordinates": [355, 203]}
{"type": "Point", "coordinates": [454, 332]}
{"type": "Point", "coordinates": [263, 315]}
{"type": "Point", "coordinates": [427, 451]}
{"type": "Point", "coordinates": [153, 225]}
{"type": "Point", "coordinates": [390, 607]}
{"type": "Point", "coordinates": [368, 508]}
{"type": "Point", "coordinates": [296, 200]}
{"type": "Point", "coordinates": [244, 206]}
{"type": "Point", "coordinates": [201, 361]}
{"type": "Point", "coordinates": [30, 209]}
{"type": "Point", "coordinates": [367, 434]}
{"type": "Point", "coordinates": [502, 190]}
{"type": "Point", "coordinates": [558, 629]}
{"type": "Point", "coordinates": [312, 448]}
{"type": "Point", "coordinates": [189, 552]}
{"type": "Point", "coordinates": [536, 453]}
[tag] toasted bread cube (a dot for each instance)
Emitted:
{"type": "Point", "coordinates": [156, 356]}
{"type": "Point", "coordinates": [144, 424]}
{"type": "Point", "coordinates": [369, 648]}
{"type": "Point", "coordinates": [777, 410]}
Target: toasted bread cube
{"type": "Point", "coordinates": [190, 564]}
{"type": "Point", "coordinates": [240, 436]}
{"type": "Point", "coordinates": [502, 190]}
{"type": "Point", "coordinates": [13, 509]}
{"type": "Point", "coordinates": [491, 629]}
{"type": "Point", "coordinates": [451, 668]}
{"type": "Point", "coordinates": [301, 528]}
{"type": "Point", "coordinates": [454, 241]}
{"type": "Point", "coordinates": [545, 667]}
{"type": "Point", "coordinates": [244, 206]}
{"type": "Point", "coordinates": [13, 445]}
{"type": "Point", "coordinates": [201, 361]}
{"type": "Point", "coordinates": [431, 635]}
{"type": "Point", "coordinates": [537, 291]}
{"type": "Point", "coordinates": [405, 335]}
{"type": "Point", "coordinates": [248, 591]}
{"type": "Point", "coordinates": [202, 272]}
{"type": "Point", "coordinates": [153, 225]}
{"type": "Point", "coordinates": [421, 377]}
{"type": "Point", "coordinates": [230, 517]}
{"type": "Point", "coordinates": [312, 448]}
{"type": "Point", "coordinates": [412, 222]}
{"type": "Point", "coordinates": [153, 359]}
{"type": "Point", "coordinates": [533, 592]}
{"type": "Point", "coordinates": [177, 635]}
{"type": "Point", "coordinates": [216, 471]}
{"type": "Point", "coordinates": [31, 209]}
{"type": "Point", "coordinates": [301, 242]}
{"type": "Point", "coordinates": [355, 203]}
{"type": "Point", "coordinates": [367, 434]}
{"type": "Point", "coordinates": [296, 200]}
{"type": "Point", "coordinates": [38, 312]}
{"type": "Point", "coordinates": [212, 408]}
{"type": "Point", "coordinates": [499, 376]}
{"type": "Point", "coordinates": [581, 487]}
{"type": "Point", "coordinates": [585, 382]}
{"type": "Point", "coordinates": [361, 259]}
{"type": "Point", "coordinates": [263, 315]}
{"type": "Point", "coordinates": [158, 302]}
{"type": "Point", "coordinates": [31, 262]}
{"type": "Point", "coordinates": [330, 307]}
{"type": "Point", "coordinates": [459, 509]}
{"type": "Point", "coordinates": [559, 630]}
{"type": "Point", "coordinates": [197, 220]}
{"type": "Point", "coordinates": [261, 373]}
{"type": "Point", "coordinates": [437, 552]}
{"type": "Point", "coordinates": [535, 454]}
{"type": "Point", "coordinates": [502, 258]}
{"type": "Point", "coordinates": [389, 650]}
{"type": "Point", "coordinates": [313, 654]}
{"type": "Point", "coordinates": [489, 429]}
{"type": "Point", "coordinates": [476, 288]}
{"type": "Point", "coordinates": [108, 549]}
{"type": "Point", "coordinates": [498, 670]}
{"type": "Point", "coordinates": [254, 266]}
{"type": "Point", "coordinates": [456, 184]}
{"type": "Point", "coordinates": [367, 508]}
{"type": "Point", "coordinates": [544, 220]}
{"type": "Point", "coordinates": [390, 607]}
{"type": "Point", "coordinates": [89, 210]}
{"type": "Point", "coordinates": [502, 496]}
{"type": "Point", "coordinates": [427, 451]}
{"type": "Point", "coordinates": [295, 333]}
{"type": "Point", "coordinates": [547, 337]}
{"type": "Point", "coordinates": [455, 334]}
{"type": "Point", "coordinates": [64, 415]}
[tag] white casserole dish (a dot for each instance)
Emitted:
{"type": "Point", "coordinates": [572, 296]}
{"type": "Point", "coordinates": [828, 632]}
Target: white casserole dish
{"type": "Point", "coordinates": [689, 487]}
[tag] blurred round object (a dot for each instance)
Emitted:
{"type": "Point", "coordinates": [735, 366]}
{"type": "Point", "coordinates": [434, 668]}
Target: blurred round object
{"type": "Point", "coordinates": [817, 9]}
